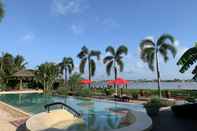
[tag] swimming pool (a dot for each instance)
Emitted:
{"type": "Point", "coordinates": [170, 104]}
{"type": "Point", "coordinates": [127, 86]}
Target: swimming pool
{"type": "Point", "coordinates": [98, 115]}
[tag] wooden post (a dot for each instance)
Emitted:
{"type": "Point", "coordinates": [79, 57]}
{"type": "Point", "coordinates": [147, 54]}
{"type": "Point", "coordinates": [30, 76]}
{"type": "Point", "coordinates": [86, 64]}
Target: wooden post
{"type": "Point", "coordinates": [21, 84]}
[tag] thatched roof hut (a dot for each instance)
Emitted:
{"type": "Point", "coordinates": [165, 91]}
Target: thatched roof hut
{"type": "Point", "coordinates": [21, 75]}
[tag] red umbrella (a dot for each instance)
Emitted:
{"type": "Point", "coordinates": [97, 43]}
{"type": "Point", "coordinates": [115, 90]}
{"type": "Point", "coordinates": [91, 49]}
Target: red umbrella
{"type": "Point", "coordinates": [118, 81]}
{"type": "Point", "coordinates": [111, 82]}
{"type": "Point", "coordinates": [86, 82]}
{"type": "Point", "coordinates": [121, 81]}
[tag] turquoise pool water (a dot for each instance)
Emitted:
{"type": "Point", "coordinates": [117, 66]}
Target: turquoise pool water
{"type": "Point", "coordinates": [98, 115]}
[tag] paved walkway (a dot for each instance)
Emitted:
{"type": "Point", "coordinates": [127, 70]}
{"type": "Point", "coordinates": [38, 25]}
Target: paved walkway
{"type": "Point", "coordinates": [166, 121]}
{"type": "Point", "coordinates": [10, 118]}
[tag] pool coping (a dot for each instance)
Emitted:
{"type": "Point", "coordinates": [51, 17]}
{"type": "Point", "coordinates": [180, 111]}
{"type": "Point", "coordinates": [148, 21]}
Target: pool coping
{"type": "Point", "coordinates": [20, 92]}
{"type": "Point", "coordinates": [15, 109]}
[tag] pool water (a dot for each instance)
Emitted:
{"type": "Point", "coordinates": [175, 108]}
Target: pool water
{"type": "Point", "coordinates": [98, 115]}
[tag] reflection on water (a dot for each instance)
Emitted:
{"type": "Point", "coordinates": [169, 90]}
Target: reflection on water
{"type": "Point", "coordinates": [97, 115]}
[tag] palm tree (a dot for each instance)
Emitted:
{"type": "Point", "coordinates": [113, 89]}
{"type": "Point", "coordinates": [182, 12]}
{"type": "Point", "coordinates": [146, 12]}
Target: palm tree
{"type": "Point", "coordinates": [87, 57]}
{"type": "Point", "coordinates": [47, 73]}
{"type": "Point", "coordinates": [19, 62]}
{"type": "Point", "coordinates": [66, 67]}
{"type": "Point", "coordinates": [188, 59]}
{"type": "Point", "coordinates": [2, 12]}
{"type": "Point", "coordinates": [150, 49]}
{"type": "Point", "coordinates": [114, 61]}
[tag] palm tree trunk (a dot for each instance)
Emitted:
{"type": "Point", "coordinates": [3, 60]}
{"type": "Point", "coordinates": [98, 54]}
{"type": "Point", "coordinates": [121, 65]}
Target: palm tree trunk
{"type": "Point", "coordinates": [89, 71]}
{"type": "Point", "coordinates": [65, 76]}
{"type": "Point", "coordinates": [158, 75]}
{"type": "Point", "coordinates": [115, 76]}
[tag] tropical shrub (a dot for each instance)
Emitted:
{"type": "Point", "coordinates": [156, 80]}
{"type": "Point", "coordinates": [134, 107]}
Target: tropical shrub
{"type": "Point", "coordinates": [84, 92]}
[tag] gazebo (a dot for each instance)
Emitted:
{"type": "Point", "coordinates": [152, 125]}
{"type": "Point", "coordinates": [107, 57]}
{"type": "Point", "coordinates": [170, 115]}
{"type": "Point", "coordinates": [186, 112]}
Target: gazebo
{"type": "Point", "coordinates": [23, 75]}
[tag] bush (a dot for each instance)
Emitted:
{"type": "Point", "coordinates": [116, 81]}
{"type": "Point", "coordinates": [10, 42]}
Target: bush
{"type": "Point", "coordinates": [85, 92]}
{"type": "Point", "coordinates": [154, 102]}
{"type": "Point", "coordinates": [191, 99]}
{"type": "Point", "coordinates": [63, 91]}
{"type": "Point", "coordinates": [135, 94]}
{"type": "Point", "coordinates": [108, 91]}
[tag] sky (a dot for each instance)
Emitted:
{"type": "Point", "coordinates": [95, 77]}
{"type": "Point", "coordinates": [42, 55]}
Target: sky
{"type": "Point", "coordinates": [48, 30]}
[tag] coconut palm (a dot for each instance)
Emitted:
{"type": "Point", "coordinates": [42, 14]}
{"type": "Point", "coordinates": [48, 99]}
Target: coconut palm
{"type": "Point", "coordinates": [114, 61]}
{"type": "Point", "coordinates": [66, 67]}
{"type": "Point", "coordinates": [150, 49]}
{"type": "Point", "coordinates": [87, 57]}
{"type": "Point", "coordinates": [188, 59]}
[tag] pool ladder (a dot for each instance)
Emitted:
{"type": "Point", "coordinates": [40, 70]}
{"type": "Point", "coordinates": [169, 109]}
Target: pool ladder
{"type": "Point", "coordinates": [64, 106]}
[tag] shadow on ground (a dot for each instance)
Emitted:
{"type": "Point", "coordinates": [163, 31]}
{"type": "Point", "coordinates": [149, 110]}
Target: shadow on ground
{"type": "Point", "coordinates": [166, 121]}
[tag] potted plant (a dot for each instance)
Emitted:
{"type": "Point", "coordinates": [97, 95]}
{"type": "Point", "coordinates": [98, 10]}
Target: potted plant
{"type": "Point", "coordinates": [153, 106]}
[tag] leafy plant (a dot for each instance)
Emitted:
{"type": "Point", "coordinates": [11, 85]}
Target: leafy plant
{"type": "Point", "coordinates": [154, 102]}
{"type": "Point", "coordinates": [85, 92]}
{"type": "Point", "coordinates": [188, 59]}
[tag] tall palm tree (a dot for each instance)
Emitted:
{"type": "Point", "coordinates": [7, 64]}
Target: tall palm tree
{"type": "Point", "coordinates": [87, 57]}
{"type": "Point", "coordinates": [114, 61]}
{"type": "Point", "coordinates": [150, 49]}
{"type": "Point", "coordinates": [66, 67]}
{"type": "Point", "coordinates": [188, 59]}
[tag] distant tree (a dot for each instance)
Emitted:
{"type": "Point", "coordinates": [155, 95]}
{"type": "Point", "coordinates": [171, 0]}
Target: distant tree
{"type": "Point", "coordinates": [188, 59]}
{"type": "Point", "coordinates": [150, 49]}
{"type": "Point", "coordinates": [66, 67]}
{"type": "Point", "coordinates": [87, 57]}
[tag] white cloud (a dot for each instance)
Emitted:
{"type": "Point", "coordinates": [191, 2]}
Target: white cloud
{"type": "Point", "coordinates": [28, 36]}
{"type": "Point", "coordinates": [77, 29]}
{"type": "Point", "coordinates": [64, 7]}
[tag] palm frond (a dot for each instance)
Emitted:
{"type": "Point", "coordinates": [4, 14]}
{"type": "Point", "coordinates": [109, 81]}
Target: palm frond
{"type": "Point", "coordinates": [151, 58]}
{"type": "Point", "coordinates": [109, 67]}
{"type": "Point", "coordinates": [188, 59]}
{"type": "Point", "coordinates": [92, 67]}
{"type": "Point", "coordinates": [95, 53]}
{"type": "Point", "coordinates": [146, 43]}
{"type": "Point", "coordinates": [121, 50]}
{"type": "Point", "coordinates": [82, 65]}
{"type": "Point", "coordinates": [169, 47]}
{"type": "Point", "coordinates": [2, 12]}
{"type": "Point", "coordinates": [84, 51]}
{"type": "Point", "coordinates": [107, 59]}
{"type": "Point", "coordinates": [163, 38]}
{"type": "Point", "coordinates": [111, 50]}
{"type": "Point", "coordinates": [144, 53]}
{"type": "Point", "coordinates": [120, 64]}
{"type": "Point", "coordinates": [163, 53]}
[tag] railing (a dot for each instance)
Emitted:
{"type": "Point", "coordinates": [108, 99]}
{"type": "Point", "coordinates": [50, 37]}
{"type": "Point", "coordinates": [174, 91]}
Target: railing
{"type": "Point", "coordinates": [70, 109]}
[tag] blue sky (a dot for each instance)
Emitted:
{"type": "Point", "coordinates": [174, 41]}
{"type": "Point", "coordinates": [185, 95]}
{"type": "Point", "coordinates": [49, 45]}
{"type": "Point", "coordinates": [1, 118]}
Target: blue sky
{"type": "Point", "coordinates": [47, 30]}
